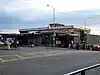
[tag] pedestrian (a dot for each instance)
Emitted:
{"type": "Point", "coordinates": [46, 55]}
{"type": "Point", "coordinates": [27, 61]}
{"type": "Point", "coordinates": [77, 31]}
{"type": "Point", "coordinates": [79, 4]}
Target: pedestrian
{"type": "Point", "coordinates": [77, 46]}
{"type": "Point", "coordinates": [72, 44]}
{"type": "Point", "coordinates": [31, 42]}
{"type": "Point", "coordinates": [8, 44]}
{"type": "Point", "coordinates": [12, 43]}
{"type": "Point", "coordinates": [17, 43]}
{"type": "Point", "coordinates": [69, 46]}
{"type": "Point", "coordinates": [91, 47]}
{"type": "Point", "coordinates": [83, 46]}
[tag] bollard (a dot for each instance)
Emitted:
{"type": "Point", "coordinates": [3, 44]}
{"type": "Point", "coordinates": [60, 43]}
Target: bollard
{"type": "Point", "coordinates": [83, 73]}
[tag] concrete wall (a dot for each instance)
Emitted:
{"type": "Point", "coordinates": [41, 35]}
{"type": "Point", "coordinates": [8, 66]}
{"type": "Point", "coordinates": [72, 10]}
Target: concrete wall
{"type": "Point", "coordinates": [93, 39]}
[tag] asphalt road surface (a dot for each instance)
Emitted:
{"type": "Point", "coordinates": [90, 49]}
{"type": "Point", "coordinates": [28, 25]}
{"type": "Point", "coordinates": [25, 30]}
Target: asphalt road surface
{"type": "Point", "coordinates": [52, 65]}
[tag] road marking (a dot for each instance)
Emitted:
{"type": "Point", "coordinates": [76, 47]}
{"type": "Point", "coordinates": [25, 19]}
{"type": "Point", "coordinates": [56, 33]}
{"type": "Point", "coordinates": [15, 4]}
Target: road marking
{"type": "Point", "coordinates": [19, 56]}
{"type": "Point", "coordinates": [1, 59]}
{"type": "Point", "coordinates": [6, 55]}
{"type": "Point", "coordinates": [10, 60]}
{"type": "Point", "coordinates": [36, 53]}
{"type": "Point", "coordinates": [33, 53]}
{"type": "Point", "coordinates": [29, 55]}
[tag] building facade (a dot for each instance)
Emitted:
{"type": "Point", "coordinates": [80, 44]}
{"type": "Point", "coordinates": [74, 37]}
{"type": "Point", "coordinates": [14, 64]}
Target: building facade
{"type": "Point", "coordinates": [57, 34]}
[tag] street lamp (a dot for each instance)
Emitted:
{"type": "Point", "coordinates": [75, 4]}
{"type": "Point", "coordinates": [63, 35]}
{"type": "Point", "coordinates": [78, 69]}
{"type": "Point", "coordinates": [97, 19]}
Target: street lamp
{"type": "Point", "coordinates": [86, 29]}
{"type": "Point", "coordinates": [53, 17]}
{"type": "Point", "coordinates": [86, 22]}
{"type": "Point", "coordinates": [53, 12]}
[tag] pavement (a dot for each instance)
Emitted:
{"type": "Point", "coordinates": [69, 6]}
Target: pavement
{"type": "Point", "coordinates": [46, 61]}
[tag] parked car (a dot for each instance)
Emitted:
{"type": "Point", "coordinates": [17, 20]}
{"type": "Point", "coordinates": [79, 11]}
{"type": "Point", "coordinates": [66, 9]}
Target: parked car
{"type": "Point", "coordinates": [31, 45]}
{"type": "Point", "coordinates": [96, 48]}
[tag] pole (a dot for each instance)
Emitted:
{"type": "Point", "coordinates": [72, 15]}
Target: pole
{"type": "Point", "coordinates": [53, 15]}
{"type": "Point", "coordinates": [85, 34]}
{"type": "Point", "coordinates": [85, 31]}
{"type": "Point", "coordinates": [54, 34]}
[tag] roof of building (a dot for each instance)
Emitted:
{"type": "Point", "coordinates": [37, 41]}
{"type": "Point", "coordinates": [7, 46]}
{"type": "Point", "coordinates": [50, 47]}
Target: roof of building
{"type": "Point", "coordinates": [58, 27]}
{"type": "Point", "coordinates": [81, 27]}
{"type": "Point", "coordinates": [56, 24]}
{"type": "Point", "coordinates": [33, 29]}
{"type": "Point", "coordinates": [9, 32]}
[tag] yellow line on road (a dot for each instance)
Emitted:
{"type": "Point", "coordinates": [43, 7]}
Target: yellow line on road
{"type": "Point", "coordinates": [28, 53]}
{"type": "Point", "coordinates": [10, 60]}
{"type": "Point", "coordinates": [33, 53]}
{"type": "Point", "coordinates": [1, 59]}
{"type": "Point", "coordinates": [19, 56]}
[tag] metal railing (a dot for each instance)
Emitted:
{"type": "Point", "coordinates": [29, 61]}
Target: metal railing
{"type": "Point", "coordinates": [83, 70]}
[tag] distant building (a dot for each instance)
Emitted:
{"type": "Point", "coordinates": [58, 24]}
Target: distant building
{"type": "Point", "coordinates": [4, 34]}
{"type": "Point", "coordinates": [94, 39]}
{"type": "Point", "coordinates": [63, 35]}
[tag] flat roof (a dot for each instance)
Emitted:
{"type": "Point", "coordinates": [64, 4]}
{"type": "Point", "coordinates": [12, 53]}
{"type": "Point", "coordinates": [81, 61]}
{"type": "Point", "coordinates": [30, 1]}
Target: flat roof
{"type": "Point", "coordinates": [62, 27]}
{"type": "Point", "coordinates": [34, 29]}
{"type": "Point", "coordinates": [81, 27]}
{"type": "Point", "coordinates": [9, 32]}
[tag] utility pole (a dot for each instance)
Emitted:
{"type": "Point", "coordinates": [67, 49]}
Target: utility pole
{"type": "Point", "coordinates": [86, 35]}
{"type": "Point", "coordinates": [54, 34]}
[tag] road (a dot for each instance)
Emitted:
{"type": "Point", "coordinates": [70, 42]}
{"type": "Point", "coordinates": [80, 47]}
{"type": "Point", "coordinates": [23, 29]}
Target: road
{"type": "Point", "coordinates": [59, 64]}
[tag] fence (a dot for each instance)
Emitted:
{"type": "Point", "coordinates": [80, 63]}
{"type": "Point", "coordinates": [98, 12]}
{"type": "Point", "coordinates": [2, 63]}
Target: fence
{"type": "Point", "coordinates": [82, 71]}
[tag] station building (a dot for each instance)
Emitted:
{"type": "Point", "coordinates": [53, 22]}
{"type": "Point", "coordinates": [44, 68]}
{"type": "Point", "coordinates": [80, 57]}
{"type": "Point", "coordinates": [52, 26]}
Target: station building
{"type": "Point", "coordinates": [9, 34]}
{"type": "Point", "coordinates": [59, 34]}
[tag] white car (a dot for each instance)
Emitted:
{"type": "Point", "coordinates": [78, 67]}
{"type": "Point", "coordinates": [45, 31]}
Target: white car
{"type": "Point", "coordinates": [1, 43]}
{"type": "Point", "coordinates": [32, 45]}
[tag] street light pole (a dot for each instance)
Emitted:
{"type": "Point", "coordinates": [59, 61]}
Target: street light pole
{"type": "Point", "coordinates": [86, 29]}
{"type": "Point", "coordinates": [54, 34]}
{"type": "Point", "coordinates": [85, 41]}
{"type": "Point", "coordinates": [53, 13]}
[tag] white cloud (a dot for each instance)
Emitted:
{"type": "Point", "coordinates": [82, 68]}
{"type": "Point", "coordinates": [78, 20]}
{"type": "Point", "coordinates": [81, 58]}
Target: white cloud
{"type": "Point", "coordinates": [60, 5]}
{"type": "Point", "coordinates": [4, 3]}
{"type": "Point", "coordinates": [26, 9]}
{"type": "Point", "coordinates": [22, 7]}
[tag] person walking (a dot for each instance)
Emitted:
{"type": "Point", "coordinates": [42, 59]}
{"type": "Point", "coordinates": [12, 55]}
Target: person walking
{"type": "Point", "coordinates": [8, 44]}
{"type": "Point", "coordinates": [17, 43]}
{"type": "Point", "coordinates": [77, 46]}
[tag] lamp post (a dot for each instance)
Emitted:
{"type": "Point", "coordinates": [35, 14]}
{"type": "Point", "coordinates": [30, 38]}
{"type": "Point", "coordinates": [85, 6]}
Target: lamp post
{"type": "Point", "coordinates": [53, 18]}
{"type": "Point", "coordinates": [86, 29]}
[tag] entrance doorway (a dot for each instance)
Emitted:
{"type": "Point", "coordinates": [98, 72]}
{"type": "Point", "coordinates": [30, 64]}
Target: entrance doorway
{"type": "Point", "coordinates": [65, 40]}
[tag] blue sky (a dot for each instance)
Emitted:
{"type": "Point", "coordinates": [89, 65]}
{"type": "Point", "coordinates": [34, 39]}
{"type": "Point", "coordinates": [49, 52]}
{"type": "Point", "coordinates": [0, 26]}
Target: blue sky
{"type": "Point", "coordinates": [16, 14]}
